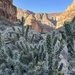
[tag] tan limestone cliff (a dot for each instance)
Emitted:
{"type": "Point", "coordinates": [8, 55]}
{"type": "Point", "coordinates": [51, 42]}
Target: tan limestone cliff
{"type": "Point", "coordinates": [54, 16]}
{"type": "Point", "coordinates": [46, 21]}
{"type": "Point", "coordinates": [24, 13]}
{"type": "Point", "coordinates": [31, 20]}
{"type": "Point", "coordinates": [38, 16]}
{"type": "Point", "coordinates": [40, 19]}
{"type": "Point", "coordinates": [67, 15]}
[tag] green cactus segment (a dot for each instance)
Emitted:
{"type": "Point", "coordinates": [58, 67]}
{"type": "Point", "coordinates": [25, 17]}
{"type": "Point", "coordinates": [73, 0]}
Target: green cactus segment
{"type": "Point", "coordinates": [22, 53]}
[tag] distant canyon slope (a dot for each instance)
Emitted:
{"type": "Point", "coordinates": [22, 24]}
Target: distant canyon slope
{"type": "Point", "coordinates": [67, 15]}
{"type": "Point", "coordinates": [39, 21]}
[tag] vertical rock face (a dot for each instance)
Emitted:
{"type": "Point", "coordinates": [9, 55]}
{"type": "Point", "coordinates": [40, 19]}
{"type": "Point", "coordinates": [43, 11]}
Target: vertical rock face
{"type": "Point", "coordinates": [24, 13]}
{"type": "Point", "coordinates": [7, 10]}
{"type": "Point", "coordinates": [40, 20]}
{"type": "Point", "coordinates": [67, 15]}
{"type": "Point", "coordinates": [37, 20]}
{"type": "Point", "coordinates": [38, 16]}
{"type": "Point", "coordinates": [31, 20]}
{"type": "Point", "coordinates": [20, 13]}
{"type": "Point", "coordinates": [49, 19]}
{"type": "Point", "coordinates": [46, 21]}
{"type": "Point", "coordinates": [54, 16]}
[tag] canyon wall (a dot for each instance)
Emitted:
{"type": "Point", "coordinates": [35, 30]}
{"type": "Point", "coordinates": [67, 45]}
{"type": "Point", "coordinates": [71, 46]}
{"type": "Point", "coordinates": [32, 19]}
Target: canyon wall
{"type": "Point", "coordinates": [67, 15]}
{"type": "Point", "coordinates": [38, 21]}
{"type": "Point", "coordinates": [7, 10]}
{"type": "Point", "coordinates": [43, 18]}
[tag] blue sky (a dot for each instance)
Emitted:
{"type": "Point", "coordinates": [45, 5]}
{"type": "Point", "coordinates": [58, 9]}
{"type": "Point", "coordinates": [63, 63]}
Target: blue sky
{"type": "Point", "coordinates": [45, 6]}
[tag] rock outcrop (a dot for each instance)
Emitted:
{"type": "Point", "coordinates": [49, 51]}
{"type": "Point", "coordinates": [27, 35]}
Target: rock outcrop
{"type": "Point", "coordinates": [46, 21]}
{"type": "Point", "coordinates": [31, 20]}
{"type": "Point", "coordinates": [66, 16]}
{"type": "Point", "coordinates": [38, 16]}
{"type": "Point", "coordinates": [8, 10]}
{"type": "Point", "coordinates": [24, 13]}
{"type": "Point", "coordinates": [38, 21]}
{"type": "Point", "coordinates": [54, 17]}
{"type": "Point", "coordinates": [44, 18]}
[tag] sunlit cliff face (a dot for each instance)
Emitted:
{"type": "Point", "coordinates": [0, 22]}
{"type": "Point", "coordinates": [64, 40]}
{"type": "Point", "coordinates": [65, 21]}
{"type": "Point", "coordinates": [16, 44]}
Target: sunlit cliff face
{"type": "Point", "coordinates": [67, 15]}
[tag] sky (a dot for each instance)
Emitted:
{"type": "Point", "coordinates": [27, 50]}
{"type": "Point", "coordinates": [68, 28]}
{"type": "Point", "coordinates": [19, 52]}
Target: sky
{"type": "Point", "coordinates": [43, 6]}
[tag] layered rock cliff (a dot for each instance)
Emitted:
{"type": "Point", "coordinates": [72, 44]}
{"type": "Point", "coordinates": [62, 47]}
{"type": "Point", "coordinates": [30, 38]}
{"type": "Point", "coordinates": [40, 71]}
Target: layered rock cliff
{"type": "Point", "coordinates": [46, 21]}
{"type": "Point", "coordinates": [67, 15]}
{"type": "Point", "coordinates": [31, 20]}
{"type": "Point", "coordinates": [43, 18]}
{"type": "Point", "coordinates": [39, 21]}
{"type": "Point", "coordinates": [24, 13]}
{"type": "Point", "coordinates": [8, 10]}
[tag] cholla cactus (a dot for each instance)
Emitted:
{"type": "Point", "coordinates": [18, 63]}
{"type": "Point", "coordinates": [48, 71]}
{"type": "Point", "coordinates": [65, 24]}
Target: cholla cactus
{"type": "Point", "coordinates": [22, 23]}
{"type": "Point", "coordinates": [53, 56]}
{"type": "Point", "coordinates": [20, 55]}
{"type": "Point", "coordinates": [69, 35]}
{"type": "Point", "coordinates": [0, 41]}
